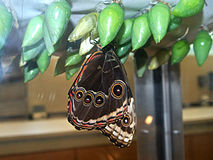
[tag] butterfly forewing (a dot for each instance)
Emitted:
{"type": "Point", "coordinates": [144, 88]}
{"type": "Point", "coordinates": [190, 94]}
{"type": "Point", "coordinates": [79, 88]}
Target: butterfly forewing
{"type": "Point", "coordinates": [101, 75]}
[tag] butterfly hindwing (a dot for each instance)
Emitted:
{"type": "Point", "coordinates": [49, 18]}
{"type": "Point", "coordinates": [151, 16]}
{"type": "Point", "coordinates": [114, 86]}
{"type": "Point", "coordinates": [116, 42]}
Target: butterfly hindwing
{"type": "Point", "coordinates": [121, 133]}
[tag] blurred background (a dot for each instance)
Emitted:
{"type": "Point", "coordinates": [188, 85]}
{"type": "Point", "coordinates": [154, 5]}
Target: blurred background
{"type": "Point", "coordinates": [33, 122]}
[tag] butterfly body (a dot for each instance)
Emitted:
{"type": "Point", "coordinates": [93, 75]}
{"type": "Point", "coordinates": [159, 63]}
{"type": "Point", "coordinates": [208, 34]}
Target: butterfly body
{"type": "Point", "coordinates": [100, 97]}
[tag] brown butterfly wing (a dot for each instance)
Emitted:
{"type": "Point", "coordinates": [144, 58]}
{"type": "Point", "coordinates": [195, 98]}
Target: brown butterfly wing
{"type": "Point", "coordinates": [99, 93]}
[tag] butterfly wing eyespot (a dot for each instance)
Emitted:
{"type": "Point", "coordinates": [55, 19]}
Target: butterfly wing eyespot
{"type": "Point", "coordinates": [126, 121]}
{"type": "Point", "coordinates": [99, 99]}
{"type": "Point", "coordinates": [79, 94]}
{"type": "Point", "coordinates": [88, 98]}
{"type": "Point", "coordinates": [118, 89]}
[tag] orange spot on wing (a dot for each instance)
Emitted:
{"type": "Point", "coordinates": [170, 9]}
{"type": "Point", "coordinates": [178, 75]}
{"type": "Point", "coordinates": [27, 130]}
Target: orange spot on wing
{"type": "Point", "coordinates": [74, 121]}
{"type": "Point", "coordinates": [70, 106]}
{"type": "Point", "coordinates": [70, 102]}
{"type": "Point", "coordinates": [100, 124]}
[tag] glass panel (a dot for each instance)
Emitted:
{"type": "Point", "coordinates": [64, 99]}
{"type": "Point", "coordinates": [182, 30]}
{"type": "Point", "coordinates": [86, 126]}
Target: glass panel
{"type": "Point", "coordinates": [197, 106]}
{"type": "Point", "coordinates": [196, 82]}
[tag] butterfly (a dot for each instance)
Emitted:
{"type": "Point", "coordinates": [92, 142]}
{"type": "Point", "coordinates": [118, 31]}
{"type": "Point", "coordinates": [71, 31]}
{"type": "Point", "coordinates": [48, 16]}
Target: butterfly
{"type": "Point", "coordinates": [100, 97]}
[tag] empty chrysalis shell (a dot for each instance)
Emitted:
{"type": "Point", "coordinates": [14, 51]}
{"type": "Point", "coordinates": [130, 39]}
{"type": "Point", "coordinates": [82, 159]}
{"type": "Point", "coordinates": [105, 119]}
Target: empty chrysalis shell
{"type": "Point", "coordinates": [84, 26]}
{"type": "Point", "coordinates": [160, 58]}
{"type": "Point", "coordinates": [86, 44]}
